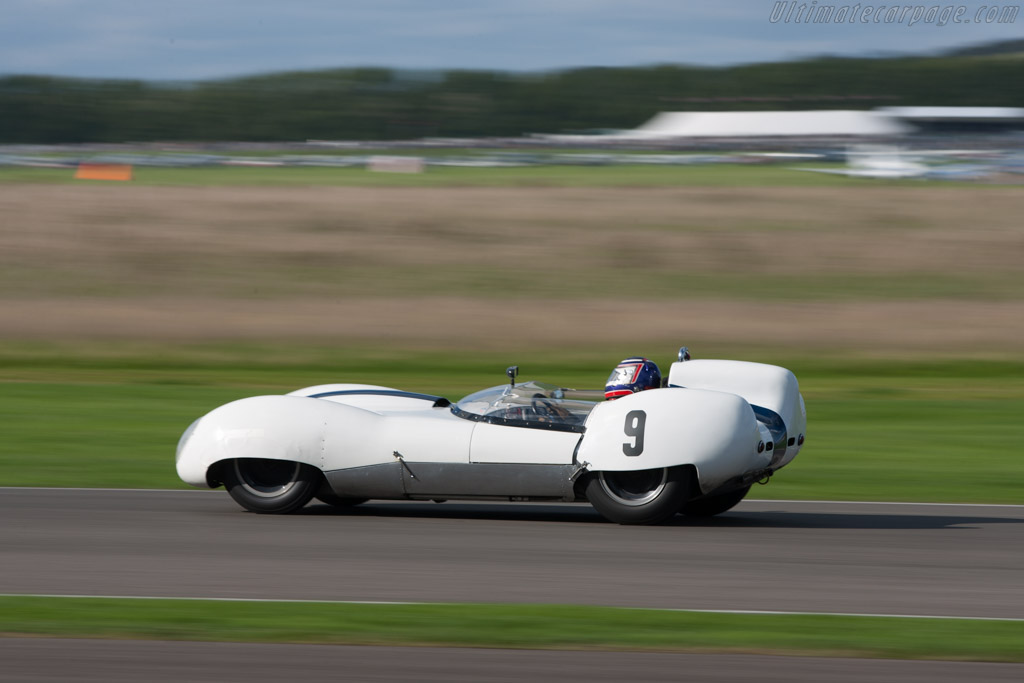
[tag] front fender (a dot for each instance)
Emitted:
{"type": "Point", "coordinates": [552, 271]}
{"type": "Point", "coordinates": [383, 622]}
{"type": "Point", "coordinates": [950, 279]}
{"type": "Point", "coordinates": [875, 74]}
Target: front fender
{"type": "Point", "coordinates": [716, 432]}
{"type": "Point", "coordinates": [291, 428]}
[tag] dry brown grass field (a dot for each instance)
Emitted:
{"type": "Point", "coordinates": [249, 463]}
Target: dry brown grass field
{"type": "Point", "coordinates": [901, 268]}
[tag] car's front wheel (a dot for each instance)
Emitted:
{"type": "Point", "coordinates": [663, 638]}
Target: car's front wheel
{"type": "Point", "coordinates": [270, 486]}
{"type": "Point", "coordinates": [638, 497]}
{"type": "Point", "coordinates": [709, 506]}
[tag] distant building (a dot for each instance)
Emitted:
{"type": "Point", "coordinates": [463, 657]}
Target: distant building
{"type": "Point", "coordinates": [958, 119]}
{"type": "Point", "coordinates": [716, 129]}
{"type": "Point", "coordinates": [762, 124]}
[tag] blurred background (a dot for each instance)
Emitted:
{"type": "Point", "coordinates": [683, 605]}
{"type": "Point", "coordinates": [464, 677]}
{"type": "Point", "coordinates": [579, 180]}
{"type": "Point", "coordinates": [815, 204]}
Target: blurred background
{"type": "Point", "coordinates": [206, 201]}
{"type": "Point", "coordinates": [237, 196]}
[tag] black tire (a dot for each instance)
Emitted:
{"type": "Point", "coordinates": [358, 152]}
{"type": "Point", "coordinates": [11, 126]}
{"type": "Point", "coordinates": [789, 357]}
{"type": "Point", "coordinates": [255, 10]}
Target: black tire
{"type": "Point", "coordinates": [640, 497]}
{"type": "Point", "coordinates": [710, 506]}
{"type": "Point", "coordinates": [270, 486]}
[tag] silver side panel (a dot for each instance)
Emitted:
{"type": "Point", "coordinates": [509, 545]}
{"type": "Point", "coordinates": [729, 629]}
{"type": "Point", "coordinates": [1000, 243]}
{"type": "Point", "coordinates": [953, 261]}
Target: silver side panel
{"type": "Point", "coordinates": [372, 481]}
{"type": "Point", "coordinates": [454, 480]}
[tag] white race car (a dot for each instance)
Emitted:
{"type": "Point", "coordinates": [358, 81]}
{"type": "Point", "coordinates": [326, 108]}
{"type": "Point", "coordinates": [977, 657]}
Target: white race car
{"type": "Point", "coordinates": [693, 446]}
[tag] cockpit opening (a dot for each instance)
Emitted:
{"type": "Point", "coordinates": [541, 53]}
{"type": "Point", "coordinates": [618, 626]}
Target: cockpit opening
{"type": "Point", "coordinates": [527, 404]}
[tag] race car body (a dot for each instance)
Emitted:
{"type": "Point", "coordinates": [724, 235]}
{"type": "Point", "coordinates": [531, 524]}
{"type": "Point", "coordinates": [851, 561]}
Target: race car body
{"type": "Point", "coordinates": [693, 446]}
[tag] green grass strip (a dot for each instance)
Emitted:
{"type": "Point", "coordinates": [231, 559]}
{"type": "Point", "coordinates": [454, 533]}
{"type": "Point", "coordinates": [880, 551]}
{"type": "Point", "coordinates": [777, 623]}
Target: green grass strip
{"type": "Point", "coordinates": [898, 429]}
{"type": "Point", "coordinates": [513, 626]}
{"type": "Point", "coordinates": [703, 175]}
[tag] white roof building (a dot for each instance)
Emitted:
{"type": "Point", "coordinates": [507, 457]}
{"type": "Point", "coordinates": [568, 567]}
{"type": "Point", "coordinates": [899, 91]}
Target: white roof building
{"type": "Point", "coordinates": [955, 113]}
{"type": "Point", "coordinates": [727, 124]}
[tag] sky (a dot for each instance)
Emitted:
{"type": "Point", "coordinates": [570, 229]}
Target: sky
{"type": "Point", "coordinates": [207, 39]}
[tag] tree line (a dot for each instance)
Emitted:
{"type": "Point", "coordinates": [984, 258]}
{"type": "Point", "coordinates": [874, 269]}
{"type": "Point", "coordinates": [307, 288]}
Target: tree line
{"type": "Point", "coordinates": [388, 104]}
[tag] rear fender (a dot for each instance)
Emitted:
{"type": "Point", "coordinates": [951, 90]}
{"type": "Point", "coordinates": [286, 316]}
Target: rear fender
{"type": "Point", "coordinates": [767, 386]}
{"type": "Point", "coordinates": [715, 432]}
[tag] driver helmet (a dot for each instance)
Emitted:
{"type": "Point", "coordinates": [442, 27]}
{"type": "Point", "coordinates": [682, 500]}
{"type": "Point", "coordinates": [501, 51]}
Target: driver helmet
{"type": "Point", "coordinates": [630, 376]}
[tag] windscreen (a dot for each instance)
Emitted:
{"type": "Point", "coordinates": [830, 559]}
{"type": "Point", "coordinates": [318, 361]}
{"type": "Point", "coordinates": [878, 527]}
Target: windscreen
{"type": "Point", "coordinates": [535, 403]}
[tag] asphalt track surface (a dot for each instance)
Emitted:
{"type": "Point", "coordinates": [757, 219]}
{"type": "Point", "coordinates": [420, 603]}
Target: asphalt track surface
{"type": "Point", "coordinates": [936, 560]}
{"type": "Point", "coordinates": [41, 660]}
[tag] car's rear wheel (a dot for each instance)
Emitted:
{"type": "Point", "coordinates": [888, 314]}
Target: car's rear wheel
{"type": "Point", "coordinates": [270, 486]}
{"type": "Point", "coordinates": [710, 506]}
{"type": "Point", "coordinates": [638, 497]}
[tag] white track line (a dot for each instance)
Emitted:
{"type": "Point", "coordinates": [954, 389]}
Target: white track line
{"type": "Point", "coordinates": [192, 492]}
{"type": "Point", "coordinates": [883, 502]}
{"type": "Point", "coordinates": [396, 602]}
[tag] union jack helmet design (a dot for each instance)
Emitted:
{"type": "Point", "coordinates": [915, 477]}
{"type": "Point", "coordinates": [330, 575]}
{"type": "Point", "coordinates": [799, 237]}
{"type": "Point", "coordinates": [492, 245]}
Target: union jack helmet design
{"type": "Point", "coordinates": [630, 376]}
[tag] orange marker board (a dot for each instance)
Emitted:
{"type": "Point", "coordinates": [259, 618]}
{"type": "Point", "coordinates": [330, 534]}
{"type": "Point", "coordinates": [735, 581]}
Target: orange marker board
{"type": "Point", "coordinates": [104, 172]}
